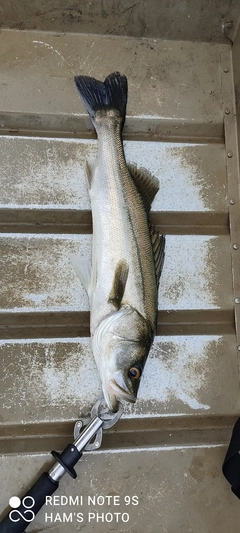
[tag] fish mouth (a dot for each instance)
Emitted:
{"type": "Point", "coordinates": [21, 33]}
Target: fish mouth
{"type": "Point", "coordinates": [118, 387]}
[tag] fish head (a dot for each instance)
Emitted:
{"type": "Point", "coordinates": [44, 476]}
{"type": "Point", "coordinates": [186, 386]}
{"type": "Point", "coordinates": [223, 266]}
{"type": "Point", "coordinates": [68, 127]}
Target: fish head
{"type": "Point", "coordinates": [126, 361]}
{"type": "Point", "coordinates": [123, 348]}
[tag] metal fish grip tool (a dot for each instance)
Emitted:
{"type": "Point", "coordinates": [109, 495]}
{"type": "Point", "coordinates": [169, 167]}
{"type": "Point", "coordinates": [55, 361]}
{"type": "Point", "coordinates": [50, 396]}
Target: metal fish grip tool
{"type": "Point", "coordinates": [87, 436]}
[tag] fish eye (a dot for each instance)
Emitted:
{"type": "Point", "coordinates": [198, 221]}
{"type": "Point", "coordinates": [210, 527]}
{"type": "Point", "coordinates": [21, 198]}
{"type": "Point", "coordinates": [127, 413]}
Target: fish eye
{"type": "Point", "coordinates": [134, 372]}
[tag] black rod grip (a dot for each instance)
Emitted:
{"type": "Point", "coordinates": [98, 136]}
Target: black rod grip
{"type": "Point", "coordinates": [68, 458]}
{"type": "Point", "coordinates": [17, 520]}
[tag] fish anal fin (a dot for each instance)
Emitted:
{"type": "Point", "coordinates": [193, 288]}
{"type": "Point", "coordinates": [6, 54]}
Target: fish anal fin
{"type": "Point", "coordinates": [82, 268]}
{"type": "Point", "coordinates": [147, 185]}
{"type": "Point", "coordinates": [158, 247]}
{"type": "Point", "coordinates": [119, 283]}
{"type": "Point", "coordinates": [90, 170]}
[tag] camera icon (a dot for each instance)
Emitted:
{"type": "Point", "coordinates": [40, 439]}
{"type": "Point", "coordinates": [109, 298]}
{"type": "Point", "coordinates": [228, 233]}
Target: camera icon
{"type": "Point", "coordinates": [27, 503]}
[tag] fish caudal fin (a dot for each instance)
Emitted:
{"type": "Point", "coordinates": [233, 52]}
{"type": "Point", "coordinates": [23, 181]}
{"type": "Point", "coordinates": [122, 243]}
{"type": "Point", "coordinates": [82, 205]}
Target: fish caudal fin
{"type": "Point", "coordinates": [98, 95]}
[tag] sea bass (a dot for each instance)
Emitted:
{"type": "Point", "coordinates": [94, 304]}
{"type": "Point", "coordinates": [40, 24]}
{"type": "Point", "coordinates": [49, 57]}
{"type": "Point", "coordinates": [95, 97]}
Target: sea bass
{"type": "Point", "coordinates": [127, 253]}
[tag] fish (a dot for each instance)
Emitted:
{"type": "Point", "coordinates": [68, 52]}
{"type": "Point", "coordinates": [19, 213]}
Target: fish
{"type": "Point", "coordinates": [127, 253]}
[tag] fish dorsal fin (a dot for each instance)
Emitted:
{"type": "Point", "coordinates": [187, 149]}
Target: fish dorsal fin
{"type": "Point", "coordinates": [83, 269]}
{"type": "Point", "coordinates": [146, 184]}
{"type": "Point", "coordinates": [158, 247]}
{"type": "Point", "coordinates": [119, 283]}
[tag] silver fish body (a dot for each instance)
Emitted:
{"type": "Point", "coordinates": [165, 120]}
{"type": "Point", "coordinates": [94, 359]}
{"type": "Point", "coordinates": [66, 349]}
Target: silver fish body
{"type": "Point", "coordinates": [127, 255]}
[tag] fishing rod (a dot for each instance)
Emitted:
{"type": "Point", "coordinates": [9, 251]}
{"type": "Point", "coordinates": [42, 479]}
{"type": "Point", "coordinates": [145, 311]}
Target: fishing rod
{"type": "Point", "coordinates": [24, 511]}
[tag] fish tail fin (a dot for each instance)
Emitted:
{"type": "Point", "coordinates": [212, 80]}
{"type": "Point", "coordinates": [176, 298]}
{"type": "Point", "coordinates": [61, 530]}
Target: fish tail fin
{"type": "Point", "coordinates": [103, 96]}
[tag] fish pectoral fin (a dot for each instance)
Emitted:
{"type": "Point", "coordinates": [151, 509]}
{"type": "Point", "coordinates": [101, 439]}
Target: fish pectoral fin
{"type": "Point", "coordinates": [158, 247]}
{"type": "Point", "coordinates": [119, 283]}
{"type": "Point", "coordinates": [147, 185]}
{"type": "Point", "coordinates": [83, 270]}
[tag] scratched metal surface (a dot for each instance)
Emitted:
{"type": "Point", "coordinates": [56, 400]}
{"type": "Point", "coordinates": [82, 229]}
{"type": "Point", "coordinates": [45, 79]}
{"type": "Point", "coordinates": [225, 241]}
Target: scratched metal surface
{"type": "Point", "coordinates": [168, 448]}
{"type": "Point", "coordinates": [176, 20]}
